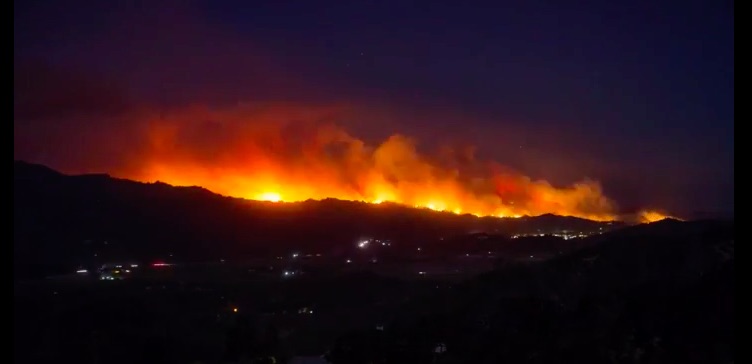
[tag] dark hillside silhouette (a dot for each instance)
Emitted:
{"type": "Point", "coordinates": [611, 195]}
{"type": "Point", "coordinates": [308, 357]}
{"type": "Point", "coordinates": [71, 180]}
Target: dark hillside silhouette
{"type": "Point", "coordinates": [58, 218]}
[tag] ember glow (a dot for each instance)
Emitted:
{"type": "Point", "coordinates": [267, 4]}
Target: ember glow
{"type": "Point", "coordinates": [648, 216]}
{"type": "Point", "coordinates": [269, 196]}
{"type": "Point", "coordinates": [287, 154]}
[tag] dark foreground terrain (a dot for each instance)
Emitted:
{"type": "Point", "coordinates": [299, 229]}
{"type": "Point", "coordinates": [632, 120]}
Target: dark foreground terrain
{"type": "Point", "coordinates": [657, 293]}
{"type": "Point", "coordinates": [223, 280]}
{"type": "Point", "coordinates": [58, 219]}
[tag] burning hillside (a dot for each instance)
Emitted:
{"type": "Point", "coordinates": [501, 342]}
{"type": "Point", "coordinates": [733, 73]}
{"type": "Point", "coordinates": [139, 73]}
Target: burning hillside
{"type": "Point", "coordinates": [287, 154]}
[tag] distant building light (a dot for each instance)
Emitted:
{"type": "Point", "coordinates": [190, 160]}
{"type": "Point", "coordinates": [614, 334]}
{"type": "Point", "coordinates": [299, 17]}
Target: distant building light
{"type": "Point", "coordinates": [295, 255]}
{"type": "Point", "coordinates": [235, 309]}
{"type": "Point", "coordinates": [348, 261]}
{"type": "Point", "coordinates": [418, 249]}
{"type": "Point", "coordinates": [82, 271]}
{"type": "Point", "coordinates": [134, 265]}
{"type": "Point", "coordinates": [422, 273]}
{"type": "Point", "coordinates": [160, 264]}
{"type": "Point", "coordinates": [127, 271]}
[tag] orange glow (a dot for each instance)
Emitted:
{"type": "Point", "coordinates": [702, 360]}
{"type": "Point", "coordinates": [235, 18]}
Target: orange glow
{"type": "Point", "coordinates": [284, 153]}
{"type": "Point", "coordinates": [648, 216]}
{"type": "Point", "coordinates": [269, 196]}
{"type": "Point", "coordinates": [235, 309]}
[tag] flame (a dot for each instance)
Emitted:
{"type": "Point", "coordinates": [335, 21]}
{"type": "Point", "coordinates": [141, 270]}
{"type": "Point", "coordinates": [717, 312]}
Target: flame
{"type": "Point", "coordinates": [648, 216]}
{"type": "Point", "coordinates": [288, 154]}
{"type": "Point", "coordinates": [269, 196]}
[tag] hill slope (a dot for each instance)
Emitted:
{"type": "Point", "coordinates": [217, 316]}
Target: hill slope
{"type": "Point", "coordinates": [656, 293]}
{"type": "Point", "coordinates": [59, 217]}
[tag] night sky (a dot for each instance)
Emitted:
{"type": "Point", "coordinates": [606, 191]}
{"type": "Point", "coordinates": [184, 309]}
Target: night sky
{"type": "Point", "coordinates": [638, 95]}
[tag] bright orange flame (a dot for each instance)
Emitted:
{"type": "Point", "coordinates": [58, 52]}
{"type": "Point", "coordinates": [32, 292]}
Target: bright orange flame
{"type": "Point", "coordinates": [269, 196]}
{"type": "Point", "coordinates": [648, 216]}
{"type": "Point", "coordinates": [260, 154]}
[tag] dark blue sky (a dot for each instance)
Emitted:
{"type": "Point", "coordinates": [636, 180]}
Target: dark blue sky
{"type": "Point", "coordinates": [636, 94]}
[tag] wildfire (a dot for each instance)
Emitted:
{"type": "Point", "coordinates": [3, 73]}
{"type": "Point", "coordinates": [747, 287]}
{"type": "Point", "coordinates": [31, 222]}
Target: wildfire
{"type": "Point", "coordinates": [269, 196]}
{"type": "Point", "coordinates": [261, 154]}
{"type": "Point", "coordinates": [648, 216]}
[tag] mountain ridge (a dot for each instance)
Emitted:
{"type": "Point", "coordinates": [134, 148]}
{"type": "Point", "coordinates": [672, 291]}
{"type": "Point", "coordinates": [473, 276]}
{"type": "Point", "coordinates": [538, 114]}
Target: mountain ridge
{"type": "Point", "coordinates": [30, 171]}
{"type": "Point", "coordinates": [55, 215]}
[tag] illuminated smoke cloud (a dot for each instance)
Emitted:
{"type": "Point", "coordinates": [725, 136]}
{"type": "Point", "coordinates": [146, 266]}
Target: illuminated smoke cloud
{"type": "Point", "coordinates": [285, 152]}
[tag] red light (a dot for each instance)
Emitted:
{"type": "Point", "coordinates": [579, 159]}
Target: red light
{"type": "Point", "coordinates": [159, 264]}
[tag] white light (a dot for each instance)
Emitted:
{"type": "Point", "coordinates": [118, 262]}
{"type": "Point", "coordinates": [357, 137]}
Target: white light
{"type": "Point", "coordinates": [418, 249]}
{"type": "Point", "coordinates": [134, 265]}
{"type": "Point", "coordinates": [82, 271]}
{"type": "Point", "coordinates": [349, 261]}
{"type": "Point", "coordinates": [294, 255]}
{"type": "Point", "coordinates": [127, 271]}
